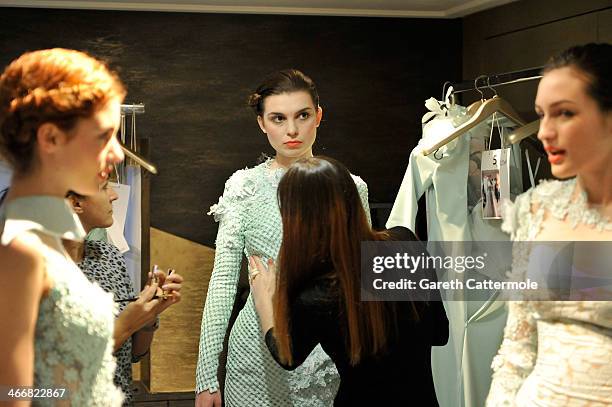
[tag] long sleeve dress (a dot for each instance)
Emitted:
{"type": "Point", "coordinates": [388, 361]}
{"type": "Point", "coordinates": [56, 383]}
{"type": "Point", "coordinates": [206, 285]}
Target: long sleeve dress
{"type": "Point", "coordinates": [250, 224]}
{"type": "Point", "coordinates": [554, 353]}
{"type": "Point", "coordinates": [399, 377]}
{"type": "Point", "coordinates": [73, 341]}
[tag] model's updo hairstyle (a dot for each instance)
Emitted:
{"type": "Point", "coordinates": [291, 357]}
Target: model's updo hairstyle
{"type": "Point", "coordinates": [285, 81]}
{"type": "Point", "coordinates": [49, 86]}
{"type": "Point", "coordinates": [595, 61]}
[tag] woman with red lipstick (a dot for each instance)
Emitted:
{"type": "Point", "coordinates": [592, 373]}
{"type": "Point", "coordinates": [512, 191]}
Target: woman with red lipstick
{"type": "Point", "coordinates": [559, 353]}
{"type": "Point", "coordinates": [288, 113]}
{"type": "Point", "coordinates": [59, 114]}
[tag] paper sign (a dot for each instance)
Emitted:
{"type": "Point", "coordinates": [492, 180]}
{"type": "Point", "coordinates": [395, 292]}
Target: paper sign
{"type": "Point", "coordinates": [120, 208]}
{"type": "Point", "coordinates": [495, 181]}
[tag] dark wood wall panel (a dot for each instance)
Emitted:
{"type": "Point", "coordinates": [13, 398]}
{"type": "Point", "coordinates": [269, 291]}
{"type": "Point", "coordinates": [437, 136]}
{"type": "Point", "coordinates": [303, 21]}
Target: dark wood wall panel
{"type": "Point", "coordinates": [194, 72]}
{"type": "Point", "coordinates": [525, 34]}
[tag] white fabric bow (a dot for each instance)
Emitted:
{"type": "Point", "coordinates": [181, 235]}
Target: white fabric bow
{"type": "Point", "coordinates": [438, 108]}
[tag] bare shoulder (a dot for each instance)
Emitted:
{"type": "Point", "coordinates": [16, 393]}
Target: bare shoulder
{"type": "Point", "coordinates": [22, 259]}
{"type": "Point", "coordinates": [22, 267]}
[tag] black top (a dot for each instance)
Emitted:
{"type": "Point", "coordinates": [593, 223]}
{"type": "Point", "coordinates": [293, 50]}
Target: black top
{"type": "Point", "coordinates": [400, 377]}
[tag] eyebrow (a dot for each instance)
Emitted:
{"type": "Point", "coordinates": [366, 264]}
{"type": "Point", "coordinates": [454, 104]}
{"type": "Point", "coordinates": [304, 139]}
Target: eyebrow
{"type": "Point", "coordinates": [298, 112]}
{"type": "Point", "coordinates": [558, 103]}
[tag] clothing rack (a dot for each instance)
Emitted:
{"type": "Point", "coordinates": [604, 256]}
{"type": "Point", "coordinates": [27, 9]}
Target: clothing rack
{"type": "Point", "coordinates": [130, 146]}
{"type": "Point", "coordinates": [136, 108]}
{"type": "Point", "coordinates": [492, 81]}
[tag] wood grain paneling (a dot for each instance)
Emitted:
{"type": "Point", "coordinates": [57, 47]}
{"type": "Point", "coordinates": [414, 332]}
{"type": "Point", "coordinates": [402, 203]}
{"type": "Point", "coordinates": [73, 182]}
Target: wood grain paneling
{"type": "Point", "coordinates": [194, 72]}
{"type": "Point", "coordinates": [525, 34]}
{"type": "Point", "coordinates": [174, 351]}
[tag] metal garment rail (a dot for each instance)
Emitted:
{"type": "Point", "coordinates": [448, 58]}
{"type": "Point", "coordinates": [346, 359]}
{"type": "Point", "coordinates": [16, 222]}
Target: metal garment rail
{"type": "Point", "coordinates": [137, 108]}
{"type": "Point", "coordinates": [492, 81]}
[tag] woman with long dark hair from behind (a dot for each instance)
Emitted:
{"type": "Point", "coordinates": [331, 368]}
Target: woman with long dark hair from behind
{"type": "Point", "coordinates": [317, 296]}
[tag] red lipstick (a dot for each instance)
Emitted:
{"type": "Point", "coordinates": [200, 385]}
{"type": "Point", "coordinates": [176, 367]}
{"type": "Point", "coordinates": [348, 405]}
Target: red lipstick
{"type": "Point", "coordinates": [555, 155]}
{"type": "Point", "coordinates": [293, 144]}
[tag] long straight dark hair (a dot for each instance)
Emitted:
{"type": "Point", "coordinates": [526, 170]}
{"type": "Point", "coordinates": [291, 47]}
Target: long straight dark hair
{"type": "Point", "coordinates": [323, 225]}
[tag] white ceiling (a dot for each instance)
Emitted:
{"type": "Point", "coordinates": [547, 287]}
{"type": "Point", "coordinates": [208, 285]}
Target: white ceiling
{"type": "Point", "coordinates": [367, 8]}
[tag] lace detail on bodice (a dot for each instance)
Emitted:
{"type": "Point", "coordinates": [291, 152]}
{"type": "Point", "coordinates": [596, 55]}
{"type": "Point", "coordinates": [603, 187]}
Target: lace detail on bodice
{"type": "Point", "coordinates": [554, 352]}
{"type": "Point", "coordinates": [74, 337]}
{"type": "Point", "coordinates": [557, 198]}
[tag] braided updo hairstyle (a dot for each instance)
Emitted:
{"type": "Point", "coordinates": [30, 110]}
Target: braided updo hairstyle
{"type": "Point", "coordinates": [56, 86]}
{"type": "Point", "coordinates": [285, 81]}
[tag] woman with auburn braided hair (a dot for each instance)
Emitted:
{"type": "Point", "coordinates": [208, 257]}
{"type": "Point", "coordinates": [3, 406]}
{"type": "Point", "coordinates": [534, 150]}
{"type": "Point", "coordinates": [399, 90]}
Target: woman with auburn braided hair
{"type": "Point", "coordinates": [59, 113]}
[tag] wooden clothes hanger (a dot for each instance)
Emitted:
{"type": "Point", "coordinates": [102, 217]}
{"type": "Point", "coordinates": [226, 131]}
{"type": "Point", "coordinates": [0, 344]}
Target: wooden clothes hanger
{"type": "Point", "coordinates": [138, 159]}
{"type": "Point", "coordinates": [486, 109]}
{"type": "Point", "coordinates": [524, 132]}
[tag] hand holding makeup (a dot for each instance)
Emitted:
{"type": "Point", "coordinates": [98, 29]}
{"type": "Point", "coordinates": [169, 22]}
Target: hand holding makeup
{"type": "Point", "coordinates": [169, 287]}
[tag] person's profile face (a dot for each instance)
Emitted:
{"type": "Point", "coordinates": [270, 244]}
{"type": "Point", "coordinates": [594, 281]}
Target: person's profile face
{"type": "Point", "coordinates": [91, 148]}
{"type": "Point", "coordinates": [575, 132]}
{"type": "Point", "coordinates": [97, 209]}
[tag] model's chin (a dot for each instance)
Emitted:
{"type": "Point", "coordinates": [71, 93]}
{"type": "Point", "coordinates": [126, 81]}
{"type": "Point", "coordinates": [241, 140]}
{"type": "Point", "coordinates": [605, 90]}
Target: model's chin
{"type": "Point", "coordinates": [562, 171]}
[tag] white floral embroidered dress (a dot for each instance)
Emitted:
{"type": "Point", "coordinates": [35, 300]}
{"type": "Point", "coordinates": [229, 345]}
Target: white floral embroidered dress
{"type": "Point", "coordinates": [250, 223]}
{"type": "Point", "coordinates": [554, 353]}
{"type": "Point", "coordinates": [73, 340]}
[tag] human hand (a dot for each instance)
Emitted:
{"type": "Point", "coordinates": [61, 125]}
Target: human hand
{"type": "Point", "coordinates": [208, 399]}
{"type": "Point", "coordinates": [143, 311]}
{"type": "Point", "coordinates": [263, 285]}
{"type": "Point", "coordinates": [171, 285]}
{"type": "Point", "coordinates": [262, 279]}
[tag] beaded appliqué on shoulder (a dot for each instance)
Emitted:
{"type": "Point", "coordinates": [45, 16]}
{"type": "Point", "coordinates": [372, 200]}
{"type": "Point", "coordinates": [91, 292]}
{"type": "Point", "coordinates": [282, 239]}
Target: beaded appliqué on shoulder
{"type": "Point", "coordinates": [557, 198]}
{"type": "Point", "coordinates": [273, 175]}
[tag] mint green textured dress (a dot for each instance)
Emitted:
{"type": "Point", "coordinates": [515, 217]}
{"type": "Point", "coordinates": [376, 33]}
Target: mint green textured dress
{"type": "Point", "coordinates": [250, 224]}
{"type": "Point", "coordinates": [73, 340]}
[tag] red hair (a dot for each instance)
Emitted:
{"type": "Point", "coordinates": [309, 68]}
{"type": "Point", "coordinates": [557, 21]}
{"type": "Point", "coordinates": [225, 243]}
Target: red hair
{"type": "Point", "coordinates": [53, 85]}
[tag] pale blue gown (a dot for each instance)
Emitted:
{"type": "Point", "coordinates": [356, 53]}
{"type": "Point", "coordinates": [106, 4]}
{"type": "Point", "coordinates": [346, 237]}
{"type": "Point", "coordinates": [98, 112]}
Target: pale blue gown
{"type": "Point", "coordinates": [73, 340]}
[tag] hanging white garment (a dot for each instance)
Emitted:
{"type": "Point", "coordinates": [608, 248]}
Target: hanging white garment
{"type": "Point", "coordinates": [5, 175]}
{"type": "Point", "coordinates": [120, 210]}
{"type": "Point", "coordinates": [133, 225]}
{"type": "Point", "coordinates": [451, 185]}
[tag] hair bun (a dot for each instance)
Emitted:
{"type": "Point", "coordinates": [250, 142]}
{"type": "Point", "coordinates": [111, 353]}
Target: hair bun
{"type": "Point", "coordinates": [254, 99]}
